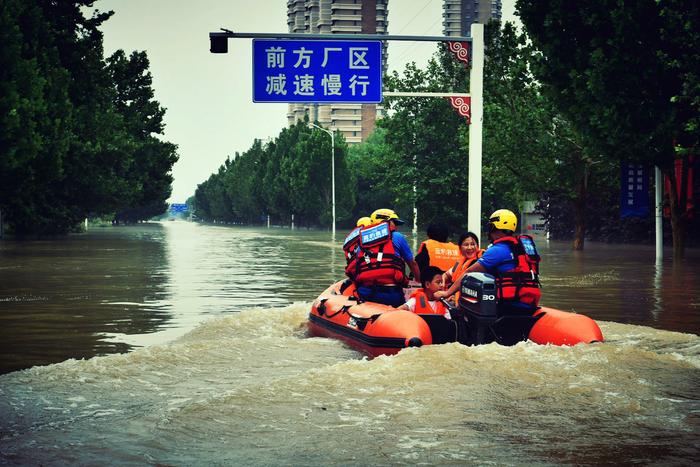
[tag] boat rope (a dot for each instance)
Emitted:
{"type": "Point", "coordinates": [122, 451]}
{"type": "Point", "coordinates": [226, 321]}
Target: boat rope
{"type": "Point", "coordinates": [343, 309]}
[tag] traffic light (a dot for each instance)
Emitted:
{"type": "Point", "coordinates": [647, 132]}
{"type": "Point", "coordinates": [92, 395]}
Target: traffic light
{"type": "Point", "coordinates": [218, 44]}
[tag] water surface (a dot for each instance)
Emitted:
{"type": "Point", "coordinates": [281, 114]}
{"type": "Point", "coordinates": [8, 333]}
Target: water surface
{"type": "Point", "coordinates": [186, 344]}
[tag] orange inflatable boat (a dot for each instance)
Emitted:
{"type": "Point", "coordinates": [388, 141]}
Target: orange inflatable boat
{"type": "Point", "coordinates": [377, 329]}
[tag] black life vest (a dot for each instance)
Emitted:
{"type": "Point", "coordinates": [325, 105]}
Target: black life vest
{"type": "Point", "coordinates": [521, 283]}
{"type": "Point", "coordinates": [377, 262]}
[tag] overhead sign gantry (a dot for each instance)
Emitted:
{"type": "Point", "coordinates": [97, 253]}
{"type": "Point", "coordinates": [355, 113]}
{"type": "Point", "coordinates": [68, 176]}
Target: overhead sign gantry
{"type": "Point", "coordinates": [289, 68]}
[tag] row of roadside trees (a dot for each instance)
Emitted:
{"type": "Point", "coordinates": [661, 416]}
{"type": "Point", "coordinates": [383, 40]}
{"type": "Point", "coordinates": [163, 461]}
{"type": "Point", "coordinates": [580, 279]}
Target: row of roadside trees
{"type": "Point", "coordinates": [290, 175]}
{"type": "Point", "coordinates": [79, 132]}
{"type": "Point", "coordinates": [547, 136]}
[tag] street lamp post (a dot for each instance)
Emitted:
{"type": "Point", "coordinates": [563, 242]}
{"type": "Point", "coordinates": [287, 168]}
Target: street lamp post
{"type": "Point", "coordinates": [332, 135]}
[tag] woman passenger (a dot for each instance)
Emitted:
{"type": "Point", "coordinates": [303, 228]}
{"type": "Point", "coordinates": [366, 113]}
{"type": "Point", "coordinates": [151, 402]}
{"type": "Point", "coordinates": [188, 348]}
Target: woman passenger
{"type": "Point", "coordinates": [469, 252]}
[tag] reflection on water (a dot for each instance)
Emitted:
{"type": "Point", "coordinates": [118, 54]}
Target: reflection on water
{"type": "Point", "coordinates": [657, 307]}
{"type": "Point", "coordinates": [221, 371]}
{"type": "Point", "coordinates": [59, 297]}
{"type": "Point", "coordinates": [114, 288]}
{"type": "Point", "coordinates": [623, 283]}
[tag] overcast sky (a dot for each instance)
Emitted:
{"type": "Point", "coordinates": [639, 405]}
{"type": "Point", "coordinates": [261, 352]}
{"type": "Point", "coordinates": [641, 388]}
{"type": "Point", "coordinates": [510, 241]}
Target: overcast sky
{"type": "Point", "coordinates": [208, 97]}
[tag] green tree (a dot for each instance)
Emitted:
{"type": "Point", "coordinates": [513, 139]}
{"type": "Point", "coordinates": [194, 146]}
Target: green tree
{"type": "Point", "coordinates": [427, 142]}
{"type": "Point", "coordinates": [275, 179]}
{"type": "Point", "coordinates": [371, 176]}
{"type": "Point", "coordinates": [531, 150]}
{"type": "Point", "coordinates": [68, 150]}
{"type": "Point", "coordinates": [312, 187]}
{"type": "Point", "coordinates": [529, 147]}
{"type": "Point", "coordinates": [518, 154]}
{"type": "Point", "coordinates": [243, 186]}
{"type": "Point", "coordinates": [35, 118]}
{"type": "Point", "coordinates": [96, 165]}
{"type": "Point", "coordinates": [291, 175]}
{"type": "Point", "coordinates": [625, 74]}
{"type": "Point", "coordinates": [149, 174]}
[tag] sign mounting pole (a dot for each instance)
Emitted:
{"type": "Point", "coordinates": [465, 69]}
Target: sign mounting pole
{"type": "Point", "coordinates": [476, 90]}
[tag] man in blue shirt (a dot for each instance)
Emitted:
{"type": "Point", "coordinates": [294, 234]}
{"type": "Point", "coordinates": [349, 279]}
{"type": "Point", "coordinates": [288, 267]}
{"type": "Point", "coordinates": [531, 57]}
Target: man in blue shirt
{"type": "Point", "coordinates": [390, 293]}
{"type": "Point", "coordinates": [499, 259]}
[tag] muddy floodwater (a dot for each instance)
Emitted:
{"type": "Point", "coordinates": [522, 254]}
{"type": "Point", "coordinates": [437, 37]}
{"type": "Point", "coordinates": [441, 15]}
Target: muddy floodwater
{"type": "Point", "coordinates": [186, 344]}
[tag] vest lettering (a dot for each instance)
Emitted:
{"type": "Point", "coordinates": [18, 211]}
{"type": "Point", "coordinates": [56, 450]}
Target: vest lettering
{"type": "Point", "coordinates": [377, 263]}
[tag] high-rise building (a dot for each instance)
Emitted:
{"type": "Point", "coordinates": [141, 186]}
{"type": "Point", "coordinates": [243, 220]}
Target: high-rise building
{"type": "Point", "coordinates": [355, 121]}
{"type": "Point", "coordinates": [458, 15]}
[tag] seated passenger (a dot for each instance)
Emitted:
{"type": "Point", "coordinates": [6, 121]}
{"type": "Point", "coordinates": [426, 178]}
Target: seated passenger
{"type": "Point", "coordinates": [469, 252]}
{"type": "Point", "coordinates": [436, 250]}
{"type": "Point", "coordinates": [423, 300]}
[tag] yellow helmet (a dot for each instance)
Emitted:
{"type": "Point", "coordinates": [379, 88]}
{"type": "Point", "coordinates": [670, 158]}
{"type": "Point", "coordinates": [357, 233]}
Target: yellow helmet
{"type": "Point", "coordinates": [503, 219]}
{"type": "Point", "coordinates": [363, 222]}
{"type": "Point", "coordinates": [385, 215]}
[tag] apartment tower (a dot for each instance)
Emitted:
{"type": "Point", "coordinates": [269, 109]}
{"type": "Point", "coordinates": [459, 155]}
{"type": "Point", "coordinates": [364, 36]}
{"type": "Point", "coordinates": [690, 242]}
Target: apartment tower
{"type": "Point", "coordinates": [458, 15]}
{"type": "Point", "coordinates": [354, 121]}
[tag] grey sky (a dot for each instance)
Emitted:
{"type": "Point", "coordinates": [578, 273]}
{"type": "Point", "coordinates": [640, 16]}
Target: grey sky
{"type": "Point", "coordinates": [210, 113]}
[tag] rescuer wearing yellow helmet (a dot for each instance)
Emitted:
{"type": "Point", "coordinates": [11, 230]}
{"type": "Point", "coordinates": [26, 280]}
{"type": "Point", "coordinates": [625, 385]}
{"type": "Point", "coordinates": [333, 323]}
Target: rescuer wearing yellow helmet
{"type": "Point", "coordinates": [363, 222]}
{"type": "Point", "coordinates": [512, 260]}
{"type": "Point", "coordinates": [502, 222]}
{"type": "Point", "coordinates": [379, 269]}
{"type": "Point", "coordinates": [353, 239]}
{"type": "Point", "coordinates": [385, 215]}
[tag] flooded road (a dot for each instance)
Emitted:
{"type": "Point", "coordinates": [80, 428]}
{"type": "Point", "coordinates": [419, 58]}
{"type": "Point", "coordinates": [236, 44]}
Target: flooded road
{"type": "Point", "coordinates": [185, 344]}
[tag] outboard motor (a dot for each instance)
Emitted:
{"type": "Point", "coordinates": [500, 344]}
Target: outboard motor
{"type": "Point", "coordinates": [477, 302]}
{"type": "Point", "coordinates": [486, 322]}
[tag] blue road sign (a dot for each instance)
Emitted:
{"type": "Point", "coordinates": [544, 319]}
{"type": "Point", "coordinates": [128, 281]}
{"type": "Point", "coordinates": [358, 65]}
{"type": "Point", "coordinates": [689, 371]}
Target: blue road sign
{"type": "Point", "coordinates": [178, 207]}
{"type": "Point", "coordinates": [634, 190]}
{"type": "Point", "coordinates": [317, 71]}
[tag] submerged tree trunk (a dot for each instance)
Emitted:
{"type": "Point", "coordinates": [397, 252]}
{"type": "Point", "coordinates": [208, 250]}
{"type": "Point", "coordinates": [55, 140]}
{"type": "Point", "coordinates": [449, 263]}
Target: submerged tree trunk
{"type": "Point", "coordinates": [579, 205]}
{"type": "Point", "coordinates": [678, 229]}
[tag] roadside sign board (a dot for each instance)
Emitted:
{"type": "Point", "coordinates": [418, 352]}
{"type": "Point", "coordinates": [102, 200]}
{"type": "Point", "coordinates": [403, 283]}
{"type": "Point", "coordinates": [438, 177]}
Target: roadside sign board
{"type": "Point", "coordinates": [634, 190]}
{"type": "Point", "coordinates": [317, 71]}
{"type": "Point", "coordinates": [178, 207]}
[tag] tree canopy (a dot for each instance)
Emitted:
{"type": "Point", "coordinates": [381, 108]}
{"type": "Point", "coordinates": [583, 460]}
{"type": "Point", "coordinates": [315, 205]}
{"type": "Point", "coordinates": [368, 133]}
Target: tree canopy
{"type": "Point", "coordinates": [626, 75]}
{"type": "Point", "coordinates": [79, 131]}
{"type": "Point", "coordinates": [290, 175]}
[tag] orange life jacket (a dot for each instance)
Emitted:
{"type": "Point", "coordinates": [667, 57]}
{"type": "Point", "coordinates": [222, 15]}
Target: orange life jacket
{"type": "Point", "coordinates": [461, 267]}
{"type": "Point", "coordinates": [521, 283]}
{"type": "Point", "coordinates": [423, 304]}
{"type": "Point", "coordinates": [463, 264]}
{"type": "Point", "coordinates": [377, 262]}
{"type": "Point", "coordinates": [350, 244]}
{"type": "Point", "coordinates": [442, 255]}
